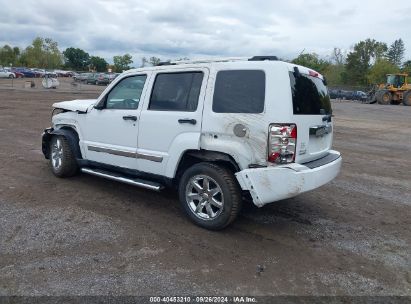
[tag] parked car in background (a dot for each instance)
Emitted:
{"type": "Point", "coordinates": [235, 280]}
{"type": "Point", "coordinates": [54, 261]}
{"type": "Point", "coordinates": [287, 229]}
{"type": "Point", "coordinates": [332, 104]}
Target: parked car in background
{"type": "Point", "coordinates": [51, 74]}
{"type": "Point", "coordinates": [359, 95]}
{"type": "Point", "coordinates": [340, 94]}
{"type": "Point", "coordinates": [39, 72]}
{"type": "Point", "coordinates": [102, 79]}
{"type": "Point", "coordinates": [92, 78]}
{"type": "Point", "coordinates": [26, 72]}
{"type": "Point", "coordinates": [61, 73]}
{"type": "Point", "coordinates": [6, 74]}
{"type": "Point", "coordinates": [82, 77]}
{"type": "Point", "coordinates": [17, 74]}
{"type": "Point", "coordinates": [112, 76]}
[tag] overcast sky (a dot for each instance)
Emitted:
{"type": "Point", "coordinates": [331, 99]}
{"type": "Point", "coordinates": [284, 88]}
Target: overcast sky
{"type": "Point", "coordinates": [179, 28]}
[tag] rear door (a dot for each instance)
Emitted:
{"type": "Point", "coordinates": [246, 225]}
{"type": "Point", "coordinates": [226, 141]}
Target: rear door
{"type": "Point", "coordinates": [171, 119]}
{"type": "Point", "coordinates": [312, 113]}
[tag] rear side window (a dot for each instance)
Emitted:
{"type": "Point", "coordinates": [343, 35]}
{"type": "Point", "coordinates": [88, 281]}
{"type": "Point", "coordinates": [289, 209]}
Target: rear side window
{"type": "Point", "coordinates": [176, 92]}
{"type": "Point", "coordinates": [239, 91]}
{"type": "Point", "coordinates": [310, 95]}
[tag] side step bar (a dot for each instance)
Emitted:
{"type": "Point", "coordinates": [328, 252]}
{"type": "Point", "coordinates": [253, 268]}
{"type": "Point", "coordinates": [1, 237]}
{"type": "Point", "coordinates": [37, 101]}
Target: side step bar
{"type": "Point", "coordinates": [123, 179]}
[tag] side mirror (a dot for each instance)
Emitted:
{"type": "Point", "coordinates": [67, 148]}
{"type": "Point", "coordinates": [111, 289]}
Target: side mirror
{"type": "Point", "coordinates": [100, 105]}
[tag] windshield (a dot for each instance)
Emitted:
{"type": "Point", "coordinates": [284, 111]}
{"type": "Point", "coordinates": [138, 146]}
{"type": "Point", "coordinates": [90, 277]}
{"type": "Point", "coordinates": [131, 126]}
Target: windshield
{"type": "Point", "coordinates": [310, 95]}
{"type": "Point", "coordinates": [396, 80]}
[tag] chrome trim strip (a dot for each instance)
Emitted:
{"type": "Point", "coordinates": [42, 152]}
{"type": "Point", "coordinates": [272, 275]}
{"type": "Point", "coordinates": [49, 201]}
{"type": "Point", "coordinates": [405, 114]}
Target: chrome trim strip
{"type": "Point", "coordinates": [112, 151]}
{"type": "Point", "coordinates": [121, 179]}
{"type": "Point", "coordinates": [153, 158]}
{"type": "Point", "coordinates": [145, 156]}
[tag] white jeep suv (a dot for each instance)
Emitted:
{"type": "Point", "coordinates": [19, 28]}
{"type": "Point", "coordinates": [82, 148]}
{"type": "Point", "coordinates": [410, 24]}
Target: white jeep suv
{"type": "Point", "coordinates": [216, 130]}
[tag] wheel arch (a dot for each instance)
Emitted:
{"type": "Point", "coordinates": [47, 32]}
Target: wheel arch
{"type": "Point", "coordinates": [69, 132]}
{"type": "Point", "coordinates": [191, 157]}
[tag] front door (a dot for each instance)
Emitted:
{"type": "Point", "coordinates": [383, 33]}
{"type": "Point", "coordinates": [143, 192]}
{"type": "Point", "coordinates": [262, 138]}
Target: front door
{"type": "Point", "coordinates": [111, 128]}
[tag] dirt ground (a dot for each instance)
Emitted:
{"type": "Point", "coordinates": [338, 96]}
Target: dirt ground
{"type": "Point", "coordinates": [90, 236]}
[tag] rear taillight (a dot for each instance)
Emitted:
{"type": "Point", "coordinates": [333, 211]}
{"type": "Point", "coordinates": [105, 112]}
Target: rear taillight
{"type": "Point", "coordinates": [282, 141]}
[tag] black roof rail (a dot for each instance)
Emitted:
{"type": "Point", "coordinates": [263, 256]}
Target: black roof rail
{"type": "Point", "coordinates": [263, 58]}
{"type": "Point", "coordinates": [165, 63]}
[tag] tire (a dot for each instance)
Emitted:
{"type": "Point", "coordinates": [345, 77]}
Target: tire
{"type": "Point", "coordinates": [407, 99]}
{"type": "Point", "coordinates": [11, 76]}
{"type": "Point", "coordinates": [62, 160]}
{"type": "Point", "coordinates": [215, 195]}
{"type": "Point", "coordinates": [384, 97]}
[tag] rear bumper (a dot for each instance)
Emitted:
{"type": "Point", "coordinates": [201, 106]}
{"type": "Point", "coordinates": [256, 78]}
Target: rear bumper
{"type": "Point", "coordinates": [271, 184]}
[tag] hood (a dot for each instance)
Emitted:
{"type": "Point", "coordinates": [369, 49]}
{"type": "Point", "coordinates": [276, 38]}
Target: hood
{"type": "Point", "coordinates": [81, 105]}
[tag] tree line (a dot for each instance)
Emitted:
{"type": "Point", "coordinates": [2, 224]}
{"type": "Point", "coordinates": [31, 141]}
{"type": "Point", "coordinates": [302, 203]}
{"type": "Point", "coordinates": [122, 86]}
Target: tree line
{"type": "Point", "coordinates": [366, 63]}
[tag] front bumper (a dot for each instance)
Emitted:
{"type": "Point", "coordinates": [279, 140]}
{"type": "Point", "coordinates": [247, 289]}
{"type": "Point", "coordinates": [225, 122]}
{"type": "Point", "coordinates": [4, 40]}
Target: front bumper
{"type": "Point", "coordinates": [270, 184]}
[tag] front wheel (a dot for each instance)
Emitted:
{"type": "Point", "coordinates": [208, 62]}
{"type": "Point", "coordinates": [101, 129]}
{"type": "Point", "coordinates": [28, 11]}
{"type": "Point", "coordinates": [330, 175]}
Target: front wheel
{"type": "Point", "coordinates": [210, 195]}
{"type": "Point", "coordinates": [62, 160]}
{"type": "Point", "coordinates": [407, 98]}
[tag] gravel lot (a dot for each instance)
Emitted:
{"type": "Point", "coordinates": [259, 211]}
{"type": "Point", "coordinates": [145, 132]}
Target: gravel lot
{"type": "Point", "coordinates": [90, 236]}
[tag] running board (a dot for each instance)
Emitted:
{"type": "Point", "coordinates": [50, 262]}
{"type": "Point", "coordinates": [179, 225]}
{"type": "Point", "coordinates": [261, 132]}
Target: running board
{"type": "Point", "coordinates": [123, 179]}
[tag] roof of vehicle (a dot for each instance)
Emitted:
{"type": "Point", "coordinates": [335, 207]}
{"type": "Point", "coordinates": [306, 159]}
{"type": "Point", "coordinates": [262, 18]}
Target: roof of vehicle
{"type": "Point", "coordinates": [239, 61]}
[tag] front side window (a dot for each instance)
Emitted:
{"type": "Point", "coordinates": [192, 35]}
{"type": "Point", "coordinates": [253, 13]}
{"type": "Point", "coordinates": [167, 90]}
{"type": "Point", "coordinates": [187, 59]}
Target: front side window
{"type": "Point", "coordinates": [176, 92]}
{"type": "Point", "coordinates": [127, 93]}
{"type": "Point", "coordinates": [239, 91]}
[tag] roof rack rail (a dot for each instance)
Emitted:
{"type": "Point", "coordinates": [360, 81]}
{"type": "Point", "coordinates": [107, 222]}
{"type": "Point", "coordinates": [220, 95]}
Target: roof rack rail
{"type": "Point", "coordinates": [263, 58]}
{"type": "Point", "coordinates": [165, 63]}
{"type": "Point", "coordinates": [209, 60]}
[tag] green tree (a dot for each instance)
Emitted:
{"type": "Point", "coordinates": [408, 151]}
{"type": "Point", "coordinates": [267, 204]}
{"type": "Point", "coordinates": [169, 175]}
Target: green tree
{"type": "Point", "coordinates": [9, 55]}
{"type": "Point", "coordinates": [406, 67]}
{"type": "Point", "coordinates": [359, 60]}
{"type": "Point", "coordinates": [122, 63]}
{"type": "Point", "coordinates": [335, 74]}
{"type": "Point", "coordinates": [76, 59]}
{"type": "Point", "coordinates": [98, 63]}
{"type": "Point", "coordinates": [312, 61]}
{"type": "Point", "coordinates": [154, 61]}
{"type": "Point", "coordinates": [382, 67]}
{"type": "Point", "coordinates": [42, 53]}
{"type": "Point", "coordinates": [396, 51]}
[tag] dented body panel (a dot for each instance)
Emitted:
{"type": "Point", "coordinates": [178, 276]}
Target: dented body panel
{"type": "Point", "coordinates": [81, 105]}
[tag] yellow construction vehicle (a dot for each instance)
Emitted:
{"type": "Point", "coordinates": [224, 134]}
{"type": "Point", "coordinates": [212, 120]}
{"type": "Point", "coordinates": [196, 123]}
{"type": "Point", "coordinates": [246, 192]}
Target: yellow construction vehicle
{"type": "Point", "coordinates": [397, 89]}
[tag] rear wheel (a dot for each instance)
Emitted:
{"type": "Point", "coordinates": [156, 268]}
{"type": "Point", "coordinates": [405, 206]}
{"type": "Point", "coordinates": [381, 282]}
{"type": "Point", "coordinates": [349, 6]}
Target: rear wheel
{"type": "Point", "coordinates": [11, 76]}
{"type": "Point", "coordinates": [384, 97]}
{"type": "Point", "coordinates": [62, 160]}
{"type": "Point", "coordinates": [407, 98]}
{"type": "Point", "coordinates": [210, 195]}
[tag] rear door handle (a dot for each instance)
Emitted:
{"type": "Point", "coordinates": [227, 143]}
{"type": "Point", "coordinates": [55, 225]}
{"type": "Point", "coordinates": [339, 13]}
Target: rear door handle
{"type": "Point", "coordinates": [187, 120]}
{"type": "Point", "coordinates": [130, 117]}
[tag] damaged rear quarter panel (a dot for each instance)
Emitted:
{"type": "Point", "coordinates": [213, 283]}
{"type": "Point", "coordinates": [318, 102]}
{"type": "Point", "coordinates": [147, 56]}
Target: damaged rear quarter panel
{"type": "Point", "coordinates": [249, 145]}
{"type": "Point", "coordinates": [246, 149]}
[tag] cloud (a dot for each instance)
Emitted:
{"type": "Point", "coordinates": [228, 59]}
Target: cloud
{"type": "Point", "coordinates": [182, 28]}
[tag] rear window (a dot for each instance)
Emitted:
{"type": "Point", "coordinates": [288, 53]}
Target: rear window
{"type": "Point", "coordinates": [310, 95]}
{"type": "Point", "coordinates": [239, 91]}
